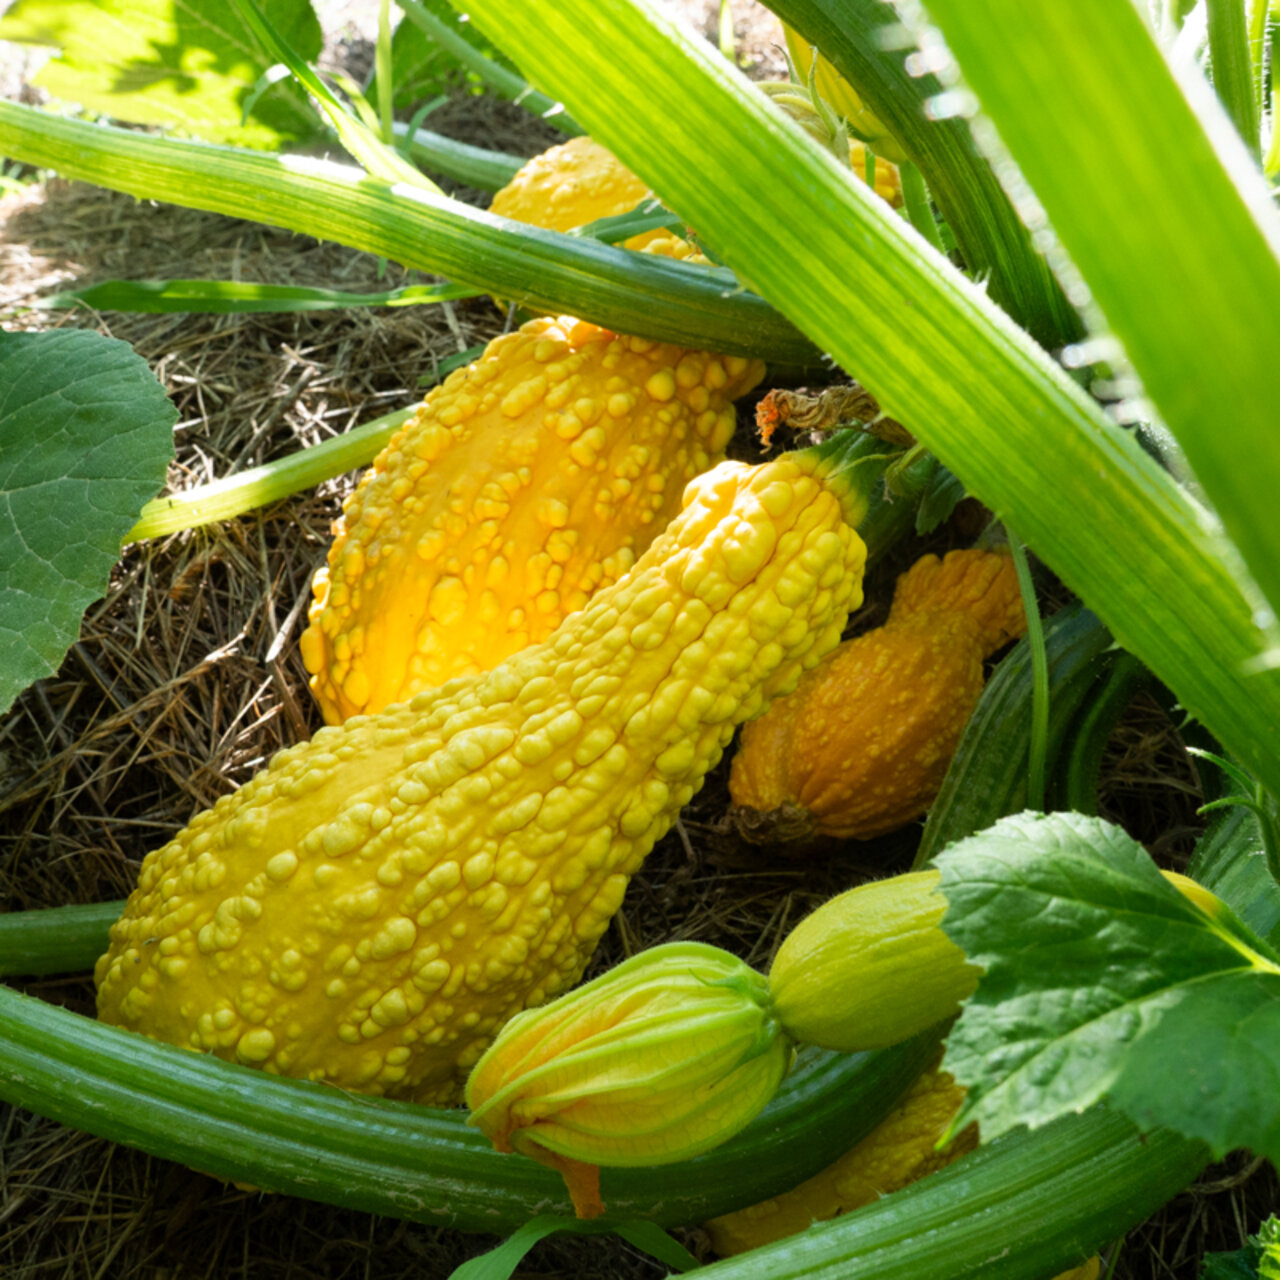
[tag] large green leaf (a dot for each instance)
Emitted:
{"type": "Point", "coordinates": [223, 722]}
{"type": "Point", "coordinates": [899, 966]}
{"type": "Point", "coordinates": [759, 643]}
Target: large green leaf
{"type": "Point", "coordinates": [85, 437]}
{"type": "Point", "coordinates": [937, 354]}
{"type": "Point", "coordinates": [180, 64]}
{"type": "Point", "coordinates": [1258, 1260]}
{"type": "Point", "coordinates": [1103, 981]}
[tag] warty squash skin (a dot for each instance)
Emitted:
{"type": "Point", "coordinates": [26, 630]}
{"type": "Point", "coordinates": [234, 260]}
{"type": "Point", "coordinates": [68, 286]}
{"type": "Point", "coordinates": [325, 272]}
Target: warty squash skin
{"type": "Point", "coordinates": [524, 483]}
{"type": "Point", "coordinates": [863, 744]}
{"type": "Point", "coordinates": [579, 182]}
{"type": "Point", "coordinates": [572, 184]}
{"type": "Point", "coordinates": [371, 907]}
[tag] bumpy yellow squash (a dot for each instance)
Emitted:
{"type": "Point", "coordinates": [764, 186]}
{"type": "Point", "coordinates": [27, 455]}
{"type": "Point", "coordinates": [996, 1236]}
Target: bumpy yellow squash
{"type": "Point", "coordinates": [371, 907]}
{"type": "Point", "coordinates": [579, 181]}
{"type": "Point", "coordinates": [572, 184]}
{"type": "Point", "coordinates": [523, 484]}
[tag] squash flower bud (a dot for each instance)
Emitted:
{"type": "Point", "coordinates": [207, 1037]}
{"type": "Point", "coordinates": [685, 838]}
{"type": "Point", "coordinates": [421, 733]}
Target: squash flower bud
{"type": "Point", "coordinates": [871, 967]}
{"type": "Point", "coordinates": [662, 1058]}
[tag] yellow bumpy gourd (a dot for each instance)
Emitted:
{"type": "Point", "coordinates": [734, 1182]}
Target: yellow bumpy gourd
{"type": "Point", "coordinates": [572, 184]}
{"type": "Point", "coordinates": [523, 484]}
{"type": "Point", "coordinates": [371, 907]}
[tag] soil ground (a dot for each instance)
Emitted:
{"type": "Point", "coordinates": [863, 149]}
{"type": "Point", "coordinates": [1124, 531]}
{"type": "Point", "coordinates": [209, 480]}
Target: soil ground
{"type": "Point", "coordinates": [186, 678]}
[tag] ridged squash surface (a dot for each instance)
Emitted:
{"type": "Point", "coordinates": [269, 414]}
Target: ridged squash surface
{"type": "Point", "coordinates": [524, 483]}
{"type": "Point", "coordinates": [863, 744]}
{"type": "Point", "coordinates": [370, 908]}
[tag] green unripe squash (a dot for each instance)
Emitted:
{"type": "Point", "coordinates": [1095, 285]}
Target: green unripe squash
{"type": "Point", "coordinates": [871, 967]}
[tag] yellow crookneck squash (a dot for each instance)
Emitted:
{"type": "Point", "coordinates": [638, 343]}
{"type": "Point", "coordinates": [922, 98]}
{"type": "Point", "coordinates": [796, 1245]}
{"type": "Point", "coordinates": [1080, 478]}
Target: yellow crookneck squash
{"type": "Point", "coordinates": [373, 905]}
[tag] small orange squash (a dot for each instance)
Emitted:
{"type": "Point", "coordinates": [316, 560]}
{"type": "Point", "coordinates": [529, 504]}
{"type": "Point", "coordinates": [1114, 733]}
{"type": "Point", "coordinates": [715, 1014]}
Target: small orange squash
{"type": "Point", "coordinates": [862, 745]}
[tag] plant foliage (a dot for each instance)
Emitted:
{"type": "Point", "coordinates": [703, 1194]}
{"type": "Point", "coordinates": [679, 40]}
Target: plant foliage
{"type": "Point", "coordinates": [191, 68]}
{"type": "Point", "coordinates": [85, 437]}
{"type": "Point", "coordinates": [1103, 981]}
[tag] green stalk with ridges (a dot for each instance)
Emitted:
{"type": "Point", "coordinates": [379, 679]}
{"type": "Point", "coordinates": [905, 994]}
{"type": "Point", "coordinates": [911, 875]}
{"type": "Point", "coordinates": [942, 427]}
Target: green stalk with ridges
{"type": "Point", "coordinates": [420, 1163]}
{"type": "Point", "coordinates": [862, 40]}
{"type": "Point", "coordinates": [259, 487]}
{"type": "Point", "coordinates": [476, 166]}
{"type": "Point", "coordinates": [1233, 77]}
{"type": "Point", "coordinates": [1133, 182]}
{"type": "Point", "coordinates": [633, 293]}
{"type": "Point", "coordinates": [1031, 1204]}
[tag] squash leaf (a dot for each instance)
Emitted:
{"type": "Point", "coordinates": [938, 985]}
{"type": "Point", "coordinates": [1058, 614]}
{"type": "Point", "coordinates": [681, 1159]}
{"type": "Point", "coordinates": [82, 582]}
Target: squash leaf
{"type": "Point", "coordinates": [85, 437]}
{"type": "Point", "coordinates": [1258, 1260]}
{"type": "Point", "coordinates": [939, 500]}
{"type": "Point", "coordinates": [1103, 981]}
{"type": "Point", "coordinates": [185, 66]}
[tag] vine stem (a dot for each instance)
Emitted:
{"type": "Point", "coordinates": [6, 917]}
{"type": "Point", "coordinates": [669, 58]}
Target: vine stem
{"type": "Point", "coordinates": [1038, 747]}
{"type": "Point", "coordinates": [915, 195]}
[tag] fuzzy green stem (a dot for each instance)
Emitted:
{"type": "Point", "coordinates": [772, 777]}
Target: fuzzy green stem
{"type": "Point", "coordinates": [1032, 1203]}
{"type": "Point", "coordinates": [727, 43]}
{"type": "Point", "coordinates": [1233, 67]}
{"type": "Point", "coordinates": [55, 940]}
{"type": "Point", "coordinates": [418, 1163]}
{"type": "Point", "coordinates": [1259, 11]}
{"type": "Point", "coordinates": [1271, 162]}
{"type": "Point", "coordinates": [384, 75]}
{"type": "Point", "coordinates": [236, 494]}
{"type": "Point", "coordinates": [1083, 766]}
{"type": "Point", "coordinates": [633, 293]}
{"type": "Point", "coordinates": [915, 196]}
{"type": "Point", "coordinates": [476, 166]}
